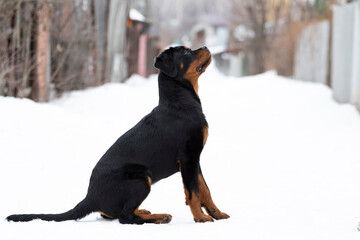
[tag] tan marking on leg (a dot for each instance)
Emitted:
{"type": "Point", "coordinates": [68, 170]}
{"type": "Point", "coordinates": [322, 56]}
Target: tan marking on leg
{"type": "Point", "coordinates": [149, 182]}
{"type": "Point", "coordinates": [207, 202]}
{"type": "Point", "coordinates": [153, 218]}
{"type": "Point", "coordinates": [179, 163]}
{"type": "Point", "coordinates": [106, 215]}
{"type": "Point", "coordinates": [144, 211]}
{"type": "Point", "coordinates": [194, 203]}
{"type": "Point", "coordinates": [206, 134]}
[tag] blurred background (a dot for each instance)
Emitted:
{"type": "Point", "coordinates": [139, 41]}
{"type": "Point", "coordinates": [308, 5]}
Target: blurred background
{"type": "Point", "coordinates": [48, 47]}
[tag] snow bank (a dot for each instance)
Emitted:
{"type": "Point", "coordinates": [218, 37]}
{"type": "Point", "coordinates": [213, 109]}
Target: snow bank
{"type": "Point", "coordinates": [282, 159]}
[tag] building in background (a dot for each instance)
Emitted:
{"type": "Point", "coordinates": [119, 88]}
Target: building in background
{"type": "Point", "coordinates": [142, 48]}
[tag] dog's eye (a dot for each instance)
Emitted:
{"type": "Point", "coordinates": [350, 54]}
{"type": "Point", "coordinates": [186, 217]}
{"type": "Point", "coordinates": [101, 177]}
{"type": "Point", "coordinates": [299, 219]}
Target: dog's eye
{"type": "Point", "coordinates": [199, 68]}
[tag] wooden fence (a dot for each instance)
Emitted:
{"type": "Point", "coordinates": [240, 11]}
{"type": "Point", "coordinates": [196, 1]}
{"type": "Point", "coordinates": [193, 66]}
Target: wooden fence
{"type": "Point", "coordinates": [329, 52]}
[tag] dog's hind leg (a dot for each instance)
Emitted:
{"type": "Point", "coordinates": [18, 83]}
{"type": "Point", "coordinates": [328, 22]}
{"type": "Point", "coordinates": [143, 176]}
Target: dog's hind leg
{"type": "Point", "coordinates": [131, 214]}
{"type": "Point", "coordinates": [136, 190]}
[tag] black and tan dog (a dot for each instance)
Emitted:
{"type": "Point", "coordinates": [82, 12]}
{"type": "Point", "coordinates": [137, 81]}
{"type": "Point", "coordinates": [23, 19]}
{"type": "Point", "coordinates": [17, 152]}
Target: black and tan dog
{"type": "Point", "coordinates": [168, 140]}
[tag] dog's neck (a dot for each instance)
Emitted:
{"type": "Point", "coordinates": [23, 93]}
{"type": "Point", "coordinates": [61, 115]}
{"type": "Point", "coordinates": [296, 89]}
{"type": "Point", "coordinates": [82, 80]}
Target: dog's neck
{"type": "Point", "coordinates": [177, 93]}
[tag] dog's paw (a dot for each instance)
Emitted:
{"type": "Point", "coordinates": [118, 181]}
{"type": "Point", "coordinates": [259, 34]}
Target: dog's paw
{"type": "Point", "coordinates": [203, 218]}
{"type": "Point", "coordinates": [221, 215]}
{"type": "Point", "coordinates": [216, 213]}
{"type": "Point", "coordinates": [163, 218]}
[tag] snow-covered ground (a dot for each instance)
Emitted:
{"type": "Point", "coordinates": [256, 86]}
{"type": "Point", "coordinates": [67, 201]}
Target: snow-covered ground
{"type": "Point", "coordinates": [282, 159]}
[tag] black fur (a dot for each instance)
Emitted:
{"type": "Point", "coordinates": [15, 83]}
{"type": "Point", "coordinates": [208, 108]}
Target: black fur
{"type": "Point", "coordinates": [172, 132]}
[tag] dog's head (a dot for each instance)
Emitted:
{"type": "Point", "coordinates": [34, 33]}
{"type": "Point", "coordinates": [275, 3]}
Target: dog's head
{"type": "Point", "coordinates": [183, 63]}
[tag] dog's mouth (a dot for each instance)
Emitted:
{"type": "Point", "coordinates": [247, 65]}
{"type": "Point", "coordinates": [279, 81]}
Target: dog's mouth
{"type": "Point", "coordinates": [203, 66]}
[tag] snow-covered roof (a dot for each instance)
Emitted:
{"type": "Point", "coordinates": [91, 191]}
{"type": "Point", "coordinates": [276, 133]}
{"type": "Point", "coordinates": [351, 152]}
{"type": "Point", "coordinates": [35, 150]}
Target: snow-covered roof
{"type": "Point", "coordinates": [136, 15]}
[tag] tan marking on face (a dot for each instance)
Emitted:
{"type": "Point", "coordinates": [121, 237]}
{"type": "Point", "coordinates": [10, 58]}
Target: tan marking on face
{"type": "Point", "coordinates": [182, 66]}
{"type": "Point", "coordinates": [186, 48]}
{"type": "Point", "coordinates": [191, 74]}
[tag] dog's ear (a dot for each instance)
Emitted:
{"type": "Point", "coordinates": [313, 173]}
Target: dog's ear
{"type": "Point", "coordinates": [166, 63]}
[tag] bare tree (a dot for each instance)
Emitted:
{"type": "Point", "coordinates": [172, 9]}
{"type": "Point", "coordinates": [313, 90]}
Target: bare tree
{"type": "Point", "coordinates": [104, 56]}
{"type": "Point", "coordinates": [41, 86]}
{"type": "Point", "coordinates": [17, 46]}
{"type": "Point", "coordinates": [116, 51]}
{"type": "Point", "coordinates": [48, 46]}
{"type": "Point", "coordinates": [94, 43]}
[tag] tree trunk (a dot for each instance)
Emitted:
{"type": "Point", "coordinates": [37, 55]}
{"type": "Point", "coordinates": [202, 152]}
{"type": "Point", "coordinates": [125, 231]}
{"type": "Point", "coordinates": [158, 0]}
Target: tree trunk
{"type": "Point", "coordinates": [42, 54]}
{"type": "Point", "coordinates": [94, 44]}
{"type": "Point", "coordinates": [117, 54]}
{"type": "Point", "coordinates": [105, 54]}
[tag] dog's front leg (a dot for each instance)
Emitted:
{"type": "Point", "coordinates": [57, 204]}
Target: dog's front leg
{"type": "Point", "coordinates": [206, 200]}
{"type": "Point", "coordinates": [189, 172]}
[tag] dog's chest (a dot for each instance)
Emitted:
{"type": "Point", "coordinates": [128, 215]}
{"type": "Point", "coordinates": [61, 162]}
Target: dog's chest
{"type": "Point", "coordinates": [181, 126]}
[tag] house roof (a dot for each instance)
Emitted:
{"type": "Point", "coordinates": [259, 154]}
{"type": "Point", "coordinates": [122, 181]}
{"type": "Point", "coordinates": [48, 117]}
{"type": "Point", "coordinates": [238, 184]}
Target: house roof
{"type": "Point", "coordinates": [136, 15]}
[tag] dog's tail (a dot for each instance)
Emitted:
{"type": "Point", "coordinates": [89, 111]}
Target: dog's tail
{"type": "Point", "coordinates": [79, 211]}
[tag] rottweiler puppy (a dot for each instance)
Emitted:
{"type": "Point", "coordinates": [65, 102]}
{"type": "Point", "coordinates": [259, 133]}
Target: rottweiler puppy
{"type": "Point", "coordinates": [168, 140]}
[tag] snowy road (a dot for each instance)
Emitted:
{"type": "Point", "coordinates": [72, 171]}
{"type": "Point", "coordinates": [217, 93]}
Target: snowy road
{"type": "Point", "coordinates": [282, 159]}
